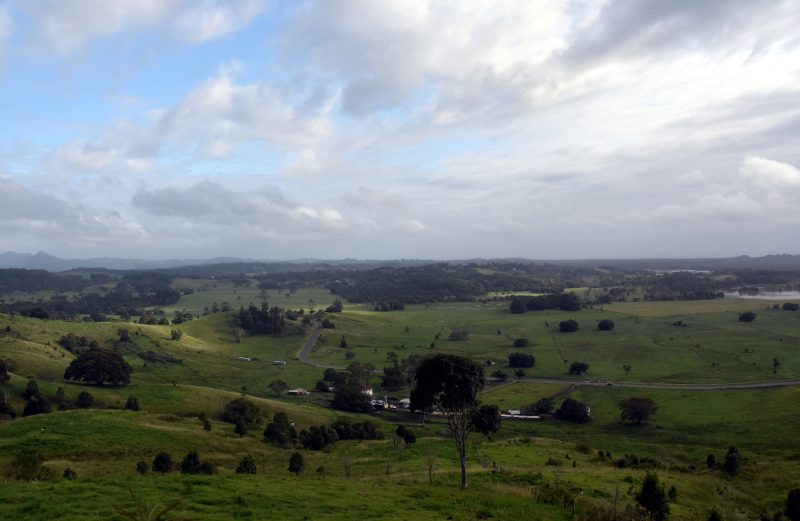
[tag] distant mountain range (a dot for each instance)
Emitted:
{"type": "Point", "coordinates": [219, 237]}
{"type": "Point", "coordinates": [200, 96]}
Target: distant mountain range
{"type": "Point", "coordinates": [44, 261]}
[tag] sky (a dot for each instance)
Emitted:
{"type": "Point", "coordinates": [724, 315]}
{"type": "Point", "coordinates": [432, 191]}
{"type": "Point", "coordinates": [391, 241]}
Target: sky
{"type": "Point", "coordinates": [395, 129]}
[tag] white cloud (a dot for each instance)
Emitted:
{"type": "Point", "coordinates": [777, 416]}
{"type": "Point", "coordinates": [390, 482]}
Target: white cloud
{"type": "Point", "coordinates": [770, 174]}
{"type": "Point", "coordinates": [69, 25]}
{"type": "Point", "coordinates": [6, 25]}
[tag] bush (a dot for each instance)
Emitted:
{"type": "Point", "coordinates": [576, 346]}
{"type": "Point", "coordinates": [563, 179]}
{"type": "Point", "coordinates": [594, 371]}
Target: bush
{"type": "Point", "coordinates": [191, 463]}
{"type": "Point", "coordinates": [791, 306]}
{"type": "Point", "coordinates": [543, 406]}
{"type": "Point", "coordinates": [141, 468]}
{"type": "Point", "coordinates": [296, 463]}
{"type": "Point", "coordinates": [280, 431]}
{"type": "Point", "coordinates": [346, 429]}
{"type": "Point", "coordinates": [132, 404]}
{"type": "Point", "coordinates": [406, 434]}
{"type": "Point", "coordinates": [240, 428]}
{"type": "Point", "coordinates": [37, 405]}
{"type": "Point", "coordinates": [572, 410]}
{"type": "Point", "coordinates": [85, 400]}
{"type": "Point", "coordinates": [578, 368]}
{"type": "Point", "coordinates": [521, 342]}
{"type": "Point", "coordinates": [162, 463]}
{"type": "Point", "coordinates": [318, 437]}
{"type": "Point", "coordinates": [69, 474]}
{"type": "Point", "coordinates": [652, 497]}
{"type": "Point", "coordinates": [711, 461]}
{"type": "Point", "coordinates": [247, 465]}
{"type": "Point", "coordinates": [747, 316]}
{"type": "Point", "coordinates": [458, 334]}
{"type": "Point", "coordinates": [521, 360]}
{"type": "Point", "coordinates": [568, 326]}
{"type": "Point", "coordinates": [732, 461]}
{"type": "Point", "coordinates": [605, 325]}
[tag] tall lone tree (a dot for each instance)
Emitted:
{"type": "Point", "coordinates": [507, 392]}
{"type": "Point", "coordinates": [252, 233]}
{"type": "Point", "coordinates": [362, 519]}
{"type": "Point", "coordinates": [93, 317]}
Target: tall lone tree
{"type": "Point", "coordinates": [451, 384]}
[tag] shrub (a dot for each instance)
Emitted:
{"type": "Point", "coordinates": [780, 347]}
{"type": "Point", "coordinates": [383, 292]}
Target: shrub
{"type": "Point", "coordinates": [240, 428]}
{"type": "Point", "coordinates": [247, 465]}
{"type": "Point", "coordinates": [296, 463]}
{"type": "Point", "coordinates": [711, 461]}
{"type": "Point", "coordinates": [69, 474]}
{"type": "Point", "coordinates": [162, 463]}
{"type": "Point", "coordinates": [605, 325]}
{"type": "Point", "coordinates": [578, 368]}
{"type": "Point", "coordinates": [568, 326]}
{"type": "Point", "coordinates": [132, 404]}
{"type": "Point", "coordinates": [791, 306]}
{"type": "Point", "coordinates": [521, 342]}
{"type": "Point", "coordinates": [458, 334]}
{"type": "Point", "coordinates": [280, 431]}
{"type": "Point", "coordinates": [732, 461]}
{"type": "Point", "coordinates": [141, 468]}
{"type": "Point", "coordinates": [747, 316]}
{"type": "Point", "coordinates": [191, 463]}
{"type": "Point", "coordinates": [85, 400]}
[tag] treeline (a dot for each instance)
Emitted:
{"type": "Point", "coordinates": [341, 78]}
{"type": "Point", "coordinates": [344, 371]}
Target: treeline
{"type": "Point", "coordinates": [132, 293]}
{"type": "Point", "coordinates": [39, 280]}
{"type": "Point", "coordinates": [263, 320]}
{"type": "Point", "coordinates": [562, 301]}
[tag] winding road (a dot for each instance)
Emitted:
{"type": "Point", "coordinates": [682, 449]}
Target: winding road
{"type": "Point", "coordinates": [304, 355]}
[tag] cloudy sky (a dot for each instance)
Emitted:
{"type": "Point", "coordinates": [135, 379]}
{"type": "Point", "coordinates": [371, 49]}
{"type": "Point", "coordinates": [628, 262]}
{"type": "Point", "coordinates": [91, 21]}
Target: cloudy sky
{"type": "Point", "coordinates": [386, 129]}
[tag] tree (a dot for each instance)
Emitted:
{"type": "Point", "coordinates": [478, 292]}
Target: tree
{"type": "Point", "coordinates": [672, 494]}
{"type": "Point", "coordinates": [791, 507]}
{"type": "Point", "coordinates": [652, 497]}
{"type": "Point", "coordinates": [521, 342]}
{"type": "Point", "coordinates": [31, 390]}
{"type": "Point", "coordinates": [605, 325]}
{"type": "Point", "coordinates": [162, 463]}
{"type": "Point", "coordinates": [451, 384]}
{"type": "Point", "coordinates": [568, 326]}
{"type": "Point", "coordinates": [711, 461]}
{"type": "Point", "coordinates": [578, 368]}
{"type": "Point", "coordinates": [542, 406]}
{"type": "Point", "coordinates": [85, 400]}
{"type": "Point", "coordinates": [572, 410]}
{"type": "Point", "coordinates": [485, 419]}
{"type": "Point", "coordinates": [247, 465]}
{"type": "Point", "coordinates": [4, 376]}
{"type": "Point", "coordinates": [715, 515]}
{"type": "Point", "coordinates": [296, 463]}
{"type": "Point", "coordinates": [141, 468]}
{"type": "Point", "coordinates": [241, 409]}
{"type": "Point", "coordinates": [747, 316]}
{"type": "Point", "coordinates": [637, 409]}
{"type": "Point", "coordinates": [99, 366]}
{"type": "Point", "coordinates": [359, 372]}
{"type": "Point", "coordinates": [732, 461]}
{"type": "Point", "coordinates": [191, 463]}
{"type": "Point", "coordinates": [278, 387]}
{"type": "Point", "coordinates": [521, 360]}
{"type": "Point", "coordinates": [132, 404]}
{"type": "Point", "coordinates": [38, 404]}
{"type": "Point", "coordinates": [240, 428]}
{"type": "Point", "coordinates": [349, 397]}
{"type": "Point", "coordinates": [500, 376]}
{"type": "Point", "coordinates": [343, 343]}
{"type": "Point", "coordinates": [69, 474]}
{"type": "Point", "coordinates": [280, 431]}
{"type": "Point", "coordinates": [406, 434]}
{"type": "Point", "coordinates": [791, 306]}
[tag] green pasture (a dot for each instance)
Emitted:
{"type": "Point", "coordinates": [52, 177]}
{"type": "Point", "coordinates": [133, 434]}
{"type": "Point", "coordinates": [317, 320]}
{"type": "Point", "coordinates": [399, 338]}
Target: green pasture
{"type": "Point", "coordinates": [710, 347]}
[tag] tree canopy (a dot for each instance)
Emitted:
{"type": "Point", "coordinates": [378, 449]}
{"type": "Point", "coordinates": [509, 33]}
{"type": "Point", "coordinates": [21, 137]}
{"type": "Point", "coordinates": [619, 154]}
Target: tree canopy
{"type": "Point", "coordinates": [451, 384]}
{"type": "Point", "coordinates": [99, 366]}
{"type": "Point", "coordinates": [637, 409]}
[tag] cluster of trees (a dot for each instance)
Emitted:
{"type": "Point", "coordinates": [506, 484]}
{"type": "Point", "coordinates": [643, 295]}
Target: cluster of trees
{"type": "Point", "coordinates": [568, 326]}
{"type": "Point", "coordinates": [191, 464]}
{"type": "Point", "coordinates": [76, 344]}
{"type": "Point", "coordinates": [522, 360]}
{"type": "Point", "coordinates": [562, 301]}
{"type": "Point", "coordinates": [400, 373]}
{"type": "Point", "coordinates": [31, 281]}
{"type": "Point", "coordinates": [263, 320]}
{"type": "Point", "coordinates": [389, 305]}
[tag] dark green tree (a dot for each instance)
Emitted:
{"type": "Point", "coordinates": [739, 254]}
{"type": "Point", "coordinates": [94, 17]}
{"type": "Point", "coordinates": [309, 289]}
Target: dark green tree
{"type": "Point", "coordinates": [247, 465]}
{"type": "Point", "coordinates": [451, 384]}
{"type": "Point", "coordinates": [732, 461]}
{"type": "Point", "coordinates": [132, 403]}
{"type": "Point", "coordinates": [69, 474]}
{"type": "Point", "coordinates": [791, 508]}
{"type": "Point", "coordinates": [162, 463]}
{"type": "Point", "coordinates": [297, 463]}
{"type": "Point", "coordinates": [521, 342]}
{"type": "Point", "coordinates": [521, 360]}
{"type": "Point", "coordinates": [280, 431]}
{"type": "Point", "coordinates": [568, 326]}
{"type": "Point", "coordinates": [240, 428]}
{"type": "Point", "coordinates": [241, 409]}
{"type": "Point", "coordinates": [637, 409]}
{"type": "Point", "coordinates": [747, 316]}
{"type": "Point", "coordinates": [191, 463]}
{"type": "Point", "coordinates": [278, 387]}
{"type": "Point", "coordinates": [517, 306]}
{"type": "Point", "coordinates": [27, 464]}
{"type": "Point", "coordinates": [99, 366]}
{"type": "Point", "coordinates": [711, 461]}
{"type": "Point", "coordinates": [405, 434]}
{"type": "Point", "coordinates": [578, 368]}
{"type": "Point", "coordinates": [605, 325]}
{"type": "Point", "coordinates": [85, 400]}
{"type": "Point", "coordinates": [572, 410]}
{"type": "Point", "coordinates": [4, 376]}
{"type": "Point", "coordinates": [31, 390]}
{"type": "Point", "coordinates": [141, 468]}
{"type": "Point", "coordinates": [652, 498]}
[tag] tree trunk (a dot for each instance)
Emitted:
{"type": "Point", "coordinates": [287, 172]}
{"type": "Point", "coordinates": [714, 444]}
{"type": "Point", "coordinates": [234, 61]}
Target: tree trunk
{"type": "Point", "coordinates": [463, 455]}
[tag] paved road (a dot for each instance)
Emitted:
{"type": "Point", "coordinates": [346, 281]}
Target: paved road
{"type": "Point", "coordinates": [305, 356]}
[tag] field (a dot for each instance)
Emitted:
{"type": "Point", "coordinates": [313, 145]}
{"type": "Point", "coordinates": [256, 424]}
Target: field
{"type": "Point", "coordinates": [508, 472]}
